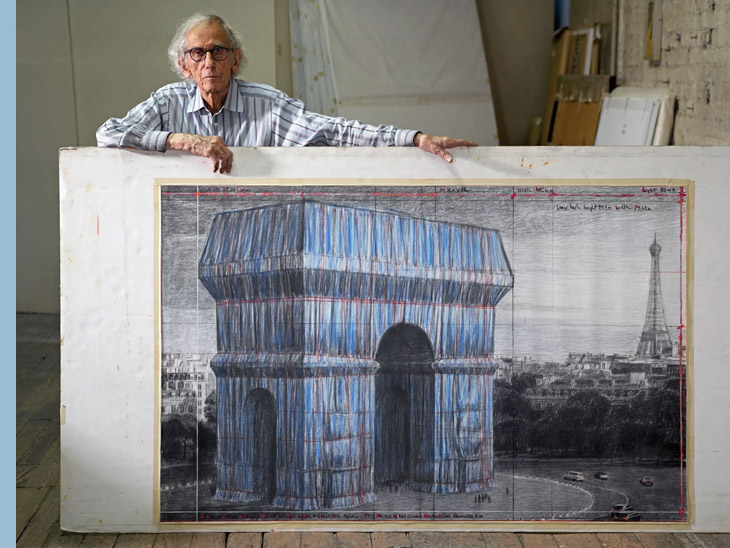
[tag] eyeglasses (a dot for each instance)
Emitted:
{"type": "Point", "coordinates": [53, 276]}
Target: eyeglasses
{"type": "Point", "coordinates": [219, 53]}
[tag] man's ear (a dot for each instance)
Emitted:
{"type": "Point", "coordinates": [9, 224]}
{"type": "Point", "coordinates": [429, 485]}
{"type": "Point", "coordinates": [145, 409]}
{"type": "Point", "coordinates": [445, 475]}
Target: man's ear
{"type": "Point", "coordinates": [185, 71]}
{"type": "Point", "coordinates": [236, 61]}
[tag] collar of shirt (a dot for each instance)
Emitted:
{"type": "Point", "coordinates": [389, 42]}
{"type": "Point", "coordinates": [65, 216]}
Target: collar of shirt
{"type": "Point", "coordinates": [233, 101]}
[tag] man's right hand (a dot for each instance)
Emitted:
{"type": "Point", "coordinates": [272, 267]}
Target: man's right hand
{"type": "Point", "coordinates": [214, 148]}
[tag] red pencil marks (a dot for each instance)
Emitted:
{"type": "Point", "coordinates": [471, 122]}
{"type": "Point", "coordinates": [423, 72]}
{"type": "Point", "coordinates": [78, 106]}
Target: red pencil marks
{"type": "Point", "coordinates": [546, 193]}
{"type": "Point", "coordinates": [97, 225]}
{"type": "Point", "coordinates": [682, 254]}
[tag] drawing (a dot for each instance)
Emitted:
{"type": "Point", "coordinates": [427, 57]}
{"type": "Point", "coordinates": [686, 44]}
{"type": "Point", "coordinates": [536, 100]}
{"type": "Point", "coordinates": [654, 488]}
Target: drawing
{"type": "Point", "coordinates": [423, 353]}
{"type": "Point", "coordinates": [655, 340]}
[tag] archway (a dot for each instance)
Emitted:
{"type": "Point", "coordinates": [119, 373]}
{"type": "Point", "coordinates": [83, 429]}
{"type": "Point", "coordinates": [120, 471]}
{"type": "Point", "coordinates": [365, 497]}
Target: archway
{"type": "Point", "coordinates": [404, 408]}
{"type": "Point", "coordinates": [259, 416]}
{"type": "Point", "coordinates": [393, 440]}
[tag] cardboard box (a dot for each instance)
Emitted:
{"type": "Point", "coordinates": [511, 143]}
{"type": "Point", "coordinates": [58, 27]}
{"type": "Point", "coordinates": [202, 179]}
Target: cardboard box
{"type": "Point", "coordinates": [579, 108]}
{"type": "Point", "coordinates": [576, 123]}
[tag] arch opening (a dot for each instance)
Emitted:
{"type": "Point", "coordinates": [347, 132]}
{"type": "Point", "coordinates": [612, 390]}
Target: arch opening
{"type": "Point", "coordinates": [393, 440]}
{"type": "Point", "coordinates": [404, 413]}
{"type": "Point", "coordinates": [259, 416]}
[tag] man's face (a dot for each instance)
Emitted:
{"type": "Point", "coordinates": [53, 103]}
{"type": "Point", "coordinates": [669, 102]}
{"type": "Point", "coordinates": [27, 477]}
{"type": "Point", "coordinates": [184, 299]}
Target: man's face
{"type": "Point", "coordinates": [211, 76]}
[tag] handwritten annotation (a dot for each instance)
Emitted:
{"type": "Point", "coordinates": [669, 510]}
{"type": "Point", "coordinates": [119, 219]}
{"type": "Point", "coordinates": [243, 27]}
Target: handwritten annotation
{"type": "Point", "coordinates": [602, 207]}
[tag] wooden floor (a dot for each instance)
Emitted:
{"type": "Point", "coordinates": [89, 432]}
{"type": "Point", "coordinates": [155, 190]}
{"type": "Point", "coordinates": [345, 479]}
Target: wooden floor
{"type": "Point", "coordinates": [37, 484]}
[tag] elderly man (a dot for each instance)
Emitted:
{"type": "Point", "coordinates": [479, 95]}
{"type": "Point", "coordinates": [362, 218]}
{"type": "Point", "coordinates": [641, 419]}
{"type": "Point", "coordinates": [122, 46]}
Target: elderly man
{"type": "Point", "coordinates": [213, 110]}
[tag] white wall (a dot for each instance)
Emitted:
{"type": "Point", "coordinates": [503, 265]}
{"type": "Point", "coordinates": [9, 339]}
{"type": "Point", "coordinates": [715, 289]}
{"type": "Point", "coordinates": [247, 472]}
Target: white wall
{"type": "Point", "coordinates": [46, 120]}
{"type": "Point", "coordinates": [517, 36]}
{"type": "Point", "coordinates": [90, 61]}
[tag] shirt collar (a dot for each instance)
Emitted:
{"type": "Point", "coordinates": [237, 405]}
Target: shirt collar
{"type": "Point", "coordinates": [233, 102]}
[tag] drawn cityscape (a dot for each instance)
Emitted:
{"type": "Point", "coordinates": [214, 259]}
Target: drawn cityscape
{"type": "Point", "coordinates": [614, 418]}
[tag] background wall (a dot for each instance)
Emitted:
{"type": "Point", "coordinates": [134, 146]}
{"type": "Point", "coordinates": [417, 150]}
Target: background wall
{"type": "Point", "coordinates": [517, 37]}
{"type": "Point", "coordinates": [90, 61]}
{"type": "Point", "coordinates": [695, 63]}
{"type": "Point", "coordinates": [46, 120]}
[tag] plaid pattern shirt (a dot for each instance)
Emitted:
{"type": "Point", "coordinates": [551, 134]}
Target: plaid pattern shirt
{"type": "Point", "coordinates": [253, 115]}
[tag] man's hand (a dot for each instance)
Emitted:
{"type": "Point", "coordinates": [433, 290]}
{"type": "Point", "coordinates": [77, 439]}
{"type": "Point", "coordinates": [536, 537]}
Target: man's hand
{"type": "Point", "coordinates": [211, 147]}
{"type": "Point", "coordinates": [438, 145]}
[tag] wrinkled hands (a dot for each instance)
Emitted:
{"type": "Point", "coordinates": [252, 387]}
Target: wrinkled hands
{"type": "Point", "coordinates": [438, 145]}
{"type": "Point", "coordinates": [214, 148]}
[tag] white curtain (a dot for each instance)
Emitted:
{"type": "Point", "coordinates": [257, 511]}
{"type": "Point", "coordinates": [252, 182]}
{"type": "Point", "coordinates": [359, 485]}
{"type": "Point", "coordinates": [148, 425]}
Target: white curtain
{"type": "Point", "coordinates": [416, 64]}
{"type": "Point", "coordinates": [311, 65]}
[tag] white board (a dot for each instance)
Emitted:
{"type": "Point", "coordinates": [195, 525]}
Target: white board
{"type": "Point", "coordinates": [627, 121]}
{"type": "Point", "coordinates": [108, 323]}
{"type": "Point", "coordinates": [388, 69]}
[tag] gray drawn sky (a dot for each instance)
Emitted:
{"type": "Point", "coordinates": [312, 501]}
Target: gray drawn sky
{"type": "Point", "coordinates": [580, 256]}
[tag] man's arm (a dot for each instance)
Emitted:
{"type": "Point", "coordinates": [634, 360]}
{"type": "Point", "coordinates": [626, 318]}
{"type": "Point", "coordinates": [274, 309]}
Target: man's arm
{"type": "Point", "coordinates": [294, 125]}
{"type": "Point", "coordinates": [140, 128]}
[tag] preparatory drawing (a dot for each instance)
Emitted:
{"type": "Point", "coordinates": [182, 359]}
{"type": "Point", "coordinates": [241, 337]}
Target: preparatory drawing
{"type": "Point", "coordinates": [370, 353]}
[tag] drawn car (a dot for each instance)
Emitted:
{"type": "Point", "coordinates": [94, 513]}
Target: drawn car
{"type": "Point", "coordinates": [646, 481]}
{"type": "Point", "coordinates": [574, 476]}
{"type": "Point", "coordinates": [631, 516]}
{"type": "Point", "coordinates": [601, 475]}
{"type": "Point", "coordinates": [619, 510]}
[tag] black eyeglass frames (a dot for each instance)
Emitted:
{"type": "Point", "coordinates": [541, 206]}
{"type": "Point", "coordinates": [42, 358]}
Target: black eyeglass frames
{"type": "Point", "coordinates": [219, 53]}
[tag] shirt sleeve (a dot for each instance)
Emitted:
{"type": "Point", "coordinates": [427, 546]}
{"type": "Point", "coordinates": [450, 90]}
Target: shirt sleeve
{"type": "Point", "coordinates": [293, 125]}
{"type": "Point", "coordinates": [141, 128]}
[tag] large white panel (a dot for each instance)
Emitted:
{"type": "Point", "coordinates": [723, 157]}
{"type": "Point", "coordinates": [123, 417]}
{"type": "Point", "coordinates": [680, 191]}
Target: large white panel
{"type": "Point", "coordinates": [120, 50]}
{"type": "Point", "coordinates": [107, 317]}
{"type": "Point", "coordinates": [416, 64]}
{"type": "Point", "coordinates": [405, 48]}
{"type": "Point", "coordinates": [45, 121]}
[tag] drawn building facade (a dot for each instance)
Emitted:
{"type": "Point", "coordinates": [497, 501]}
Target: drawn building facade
{"type": "Point", "coordinates": [355, 349]}
{"type": "Point", "coordinates": [184, 384]}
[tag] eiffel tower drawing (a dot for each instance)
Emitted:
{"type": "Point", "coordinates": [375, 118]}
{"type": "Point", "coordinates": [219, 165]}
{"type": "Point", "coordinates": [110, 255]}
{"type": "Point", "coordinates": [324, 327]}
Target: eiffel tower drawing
{"type": "Point", "coordinates": [655, 340]}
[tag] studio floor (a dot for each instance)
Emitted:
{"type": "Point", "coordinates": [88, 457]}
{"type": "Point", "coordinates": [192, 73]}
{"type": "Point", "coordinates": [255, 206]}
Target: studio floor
{"type": "Point", "coordinates": [37, 484]}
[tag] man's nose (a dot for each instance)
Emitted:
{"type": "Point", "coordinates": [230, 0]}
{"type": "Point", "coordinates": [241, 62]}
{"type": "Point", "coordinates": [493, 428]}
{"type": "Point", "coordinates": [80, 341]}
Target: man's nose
{"type": "Point", "coordinates": [208, 58]}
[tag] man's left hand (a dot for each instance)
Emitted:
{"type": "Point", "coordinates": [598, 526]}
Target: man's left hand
{"type": "Point", "coordinates": [438, 145]}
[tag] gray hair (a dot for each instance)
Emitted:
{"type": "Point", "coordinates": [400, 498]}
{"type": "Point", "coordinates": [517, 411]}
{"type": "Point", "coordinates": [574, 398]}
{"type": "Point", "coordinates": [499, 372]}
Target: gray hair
{"type": "Point", "coordinates": [176, 49]}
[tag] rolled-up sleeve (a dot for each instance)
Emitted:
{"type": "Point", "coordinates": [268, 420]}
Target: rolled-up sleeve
{"type": "Point", "coordinates": [142, 127]}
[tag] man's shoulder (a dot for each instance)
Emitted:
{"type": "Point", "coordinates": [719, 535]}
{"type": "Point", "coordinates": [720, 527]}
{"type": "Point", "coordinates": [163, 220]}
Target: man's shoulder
{"type": "Point", "coordinates": [175, 89]}
{"type": "Point", "coordinates": [260, 91]}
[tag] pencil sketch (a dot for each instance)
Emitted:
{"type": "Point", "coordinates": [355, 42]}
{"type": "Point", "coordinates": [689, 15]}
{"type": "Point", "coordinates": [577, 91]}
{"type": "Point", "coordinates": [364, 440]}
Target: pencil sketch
{"type": "Point", "coordinates": [429, 353]}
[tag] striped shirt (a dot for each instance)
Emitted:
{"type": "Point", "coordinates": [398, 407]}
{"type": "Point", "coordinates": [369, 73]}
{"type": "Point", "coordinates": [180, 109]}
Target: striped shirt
{"type": "Point", "coordinates": [253, 115]}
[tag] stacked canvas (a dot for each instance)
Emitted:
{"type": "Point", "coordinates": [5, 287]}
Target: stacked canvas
{"type": "Point", "coordinates": [636, 116]}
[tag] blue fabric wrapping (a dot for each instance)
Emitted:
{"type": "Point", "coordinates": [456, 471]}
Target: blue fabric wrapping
{"type": "Point", "coordinates": [305, 294]}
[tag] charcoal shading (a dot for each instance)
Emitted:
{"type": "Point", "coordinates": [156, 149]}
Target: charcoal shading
{"type": "Point", "coordinates": [423, 353]}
